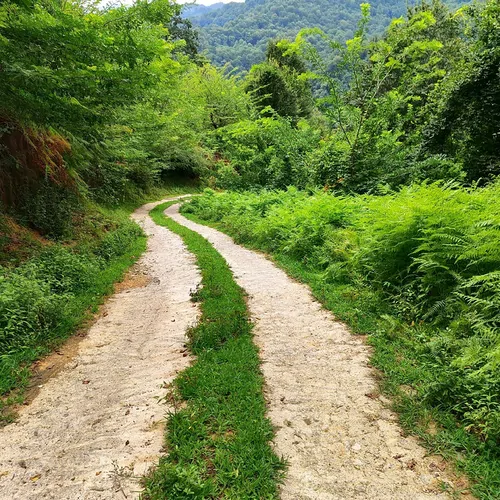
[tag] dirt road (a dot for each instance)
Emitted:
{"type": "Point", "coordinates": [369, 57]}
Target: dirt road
{"type": "Point", "coordinates": [96, 427]}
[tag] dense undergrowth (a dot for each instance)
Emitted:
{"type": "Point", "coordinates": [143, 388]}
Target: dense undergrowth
{"type": "Point", "coordinates": [218, 443]}
{"type": "Point", "coordinates": [418, 270]}
{"type": "Point", "coordinates": [44, 299]}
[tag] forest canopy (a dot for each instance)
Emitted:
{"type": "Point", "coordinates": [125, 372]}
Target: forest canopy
{"type": "Point", "coordinates": [104, 104]}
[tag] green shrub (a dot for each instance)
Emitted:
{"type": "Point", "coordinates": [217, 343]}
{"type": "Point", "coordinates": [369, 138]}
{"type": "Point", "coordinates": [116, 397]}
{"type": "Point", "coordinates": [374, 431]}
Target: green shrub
{"type": "Point", "coordinates": [50, 210]}
{"type": "Point", "coordinates": [114, 242]}
{"type": "Point", "coordinates": [266, 152]}
{"type": "Point", "coordinates": [28, 311]}
{"type": "Point", "coordinates": [61, 270]}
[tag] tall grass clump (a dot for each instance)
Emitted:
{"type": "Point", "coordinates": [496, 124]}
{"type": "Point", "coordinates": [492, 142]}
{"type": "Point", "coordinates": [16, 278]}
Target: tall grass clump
{"type": "Point", "coordinates": [419, 270]}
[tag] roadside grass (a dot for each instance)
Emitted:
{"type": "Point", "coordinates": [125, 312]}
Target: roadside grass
{"type": "Point", "coordinates": [399, 358]}
{"type": "Point", "coordinates": [403, 365]}
{"type": "Point", "coordinates": [218, 437]}
{"type": "Point", "coordinates": [52, 290]}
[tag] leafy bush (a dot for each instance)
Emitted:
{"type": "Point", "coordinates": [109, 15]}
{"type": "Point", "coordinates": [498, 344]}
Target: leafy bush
{"type": "Point", "coordinates": [61, 270]}
{"type": "Point", "coordinates": [114, 242]}
{"type": "Point", "coordinates": [50, 210]}
{"type": "Point", "coordinates": [28, 311]}
{"type": "Point", "coordinates": [267, 152]}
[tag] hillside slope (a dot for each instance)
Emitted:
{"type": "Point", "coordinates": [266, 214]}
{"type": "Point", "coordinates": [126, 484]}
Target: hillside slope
{"type": "Point", "coordinates": [237, 33]}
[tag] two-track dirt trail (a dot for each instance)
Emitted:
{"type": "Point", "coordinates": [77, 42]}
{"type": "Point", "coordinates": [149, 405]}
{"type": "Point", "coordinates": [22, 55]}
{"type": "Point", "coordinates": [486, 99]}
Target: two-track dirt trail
{"type": "Point", "coordinates": [341, 443]}
{"type": "Point", "coordinates": [96, 427]}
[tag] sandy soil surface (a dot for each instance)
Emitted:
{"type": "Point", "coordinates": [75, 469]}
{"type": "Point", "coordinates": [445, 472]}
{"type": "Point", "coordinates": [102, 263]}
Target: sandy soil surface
{"type": "Point", "coordinates": [96, 426]}
{"type": "Point", "coordinates": [339, 437]}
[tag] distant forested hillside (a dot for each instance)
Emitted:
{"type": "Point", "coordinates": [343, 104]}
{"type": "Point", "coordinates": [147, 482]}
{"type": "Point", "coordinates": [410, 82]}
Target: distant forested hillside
{"type": "Point", "coordinates": [237, 33]}
{"type": "Point", "coordinates": [193, 10]}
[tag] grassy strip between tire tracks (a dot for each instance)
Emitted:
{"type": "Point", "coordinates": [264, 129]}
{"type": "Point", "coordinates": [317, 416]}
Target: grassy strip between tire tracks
{"type": "Point", "coordinates": [218, 437]}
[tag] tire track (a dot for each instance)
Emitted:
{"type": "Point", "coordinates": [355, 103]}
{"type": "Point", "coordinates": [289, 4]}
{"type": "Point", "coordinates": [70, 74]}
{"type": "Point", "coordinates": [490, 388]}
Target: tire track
{"type": "Point", "coordinates": [340, 440]}
{"type": "Point", "coordinates": [97, 426]}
